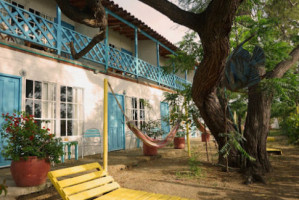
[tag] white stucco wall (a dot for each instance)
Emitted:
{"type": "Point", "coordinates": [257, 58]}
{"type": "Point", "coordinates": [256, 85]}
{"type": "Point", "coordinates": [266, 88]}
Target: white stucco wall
{"type": "Point", "coordinates": [121, 41]}
{"type": "Point", "coordinates": [41, 69]}
{"type": "Point", "coordinates": [147, 51]}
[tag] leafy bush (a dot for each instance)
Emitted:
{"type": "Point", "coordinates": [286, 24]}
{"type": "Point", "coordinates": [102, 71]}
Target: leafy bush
{"type": "Point", "coordinates": [22, 137]}
{"type": "Point", "coordinates": [290, 127]}
{"type": "Point", "coordinates": [152, 128]}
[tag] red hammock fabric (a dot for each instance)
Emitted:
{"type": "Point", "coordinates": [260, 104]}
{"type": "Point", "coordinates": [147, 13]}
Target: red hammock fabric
{"type": "Point", "coordinates": [150, 141]}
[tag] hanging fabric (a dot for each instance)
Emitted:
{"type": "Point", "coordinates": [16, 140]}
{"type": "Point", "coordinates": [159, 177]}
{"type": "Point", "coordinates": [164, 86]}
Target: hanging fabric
{"type": "Point", "coordinates": [242, 68]}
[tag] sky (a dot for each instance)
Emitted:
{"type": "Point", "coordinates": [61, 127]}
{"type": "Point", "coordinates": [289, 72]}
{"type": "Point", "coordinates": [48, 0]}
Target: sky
{"type": "Point", "coordinates": [157, 21]}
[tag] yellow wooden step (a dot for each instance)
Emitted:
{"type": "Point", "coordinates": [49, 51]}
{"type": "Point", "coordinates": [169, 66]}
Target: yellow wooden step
{"type": "Point", "coordinates": [274, 151]}
{"type": "Point", "coordinates": [128, 194]}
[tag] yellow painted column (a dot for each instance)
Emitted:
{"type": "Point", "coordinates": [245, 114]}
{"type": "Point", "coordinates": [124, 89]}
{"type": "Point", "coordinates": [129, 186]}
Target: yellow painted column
{"type": "Point", "coordinates": [105, 127]}
{"type": "Point", "coordinates": [187, 132]}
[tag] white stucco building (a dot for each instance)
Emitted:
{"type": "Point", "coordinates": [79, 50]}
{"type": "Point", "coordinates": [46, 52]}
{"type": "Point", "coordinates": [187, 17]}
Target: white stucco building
{"type": "Point", "coordinates": [38, 75]}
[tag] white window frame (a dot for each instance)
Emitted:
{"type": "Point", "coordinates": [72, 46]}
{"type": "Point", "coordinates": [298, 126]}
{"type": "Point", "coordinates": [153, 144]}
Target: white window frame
{"type": "Point", "coordinates": [79, 110]}
{"type": "Point", "coordinates": [50, 101]}
{"type": "Point", "coordinates": [55, 100]}
{"type": "Point", "coordinates": [130, 110]}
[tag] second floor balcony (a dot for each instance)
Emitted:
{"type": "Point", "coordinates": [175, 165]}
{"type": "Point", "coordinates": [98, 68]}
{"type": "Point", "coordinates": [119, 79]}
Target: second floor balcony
{"type": "Point", "coordinates": [35, 30]}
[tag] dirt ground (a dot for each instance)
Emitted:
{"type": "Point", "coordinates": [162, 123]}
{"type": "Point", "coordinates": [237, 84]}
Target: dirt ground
{"type": "Point", "coordinates": [196, 178]}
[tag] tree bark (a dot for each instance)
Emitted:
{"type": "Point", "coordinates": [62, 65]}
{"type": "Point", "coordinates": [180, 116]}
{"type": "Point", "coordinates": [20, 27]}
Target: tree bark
{"type": "Point", "coordinates": [258, 120]}
{"type": "Point", "coordinates": [92, 14]}
{"type": "Point", "coordinates": [256, 130]}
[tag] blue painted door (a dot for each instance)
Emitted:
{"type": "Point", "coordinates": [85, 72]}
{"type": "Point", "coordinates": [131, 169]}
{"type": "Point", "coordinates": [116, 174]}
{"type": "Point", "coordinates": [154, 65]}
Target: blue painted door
{"type": "Point", "coordinates": [116, 128]}
{"type": "Point", "coordinates": [164, 109]}
{"type": "Point", "coordinates": [10, 96]}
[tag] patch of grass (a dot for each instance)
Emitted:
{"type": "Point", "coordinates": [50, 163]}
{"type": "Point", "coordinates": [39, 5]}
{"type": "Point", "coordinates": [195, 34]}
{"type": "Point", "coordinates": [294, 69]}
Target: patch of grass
{"type": "Point", "coordinates": [195, 170]}
{"type": "Point", "coordinates": [275, 132]}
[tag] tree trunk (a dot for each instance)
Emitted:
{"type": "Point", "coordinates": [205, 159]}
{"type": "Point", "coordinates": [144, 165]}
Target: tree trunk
{"type": "Point", "coordinates": [212, 113]}
{"type": "Point", "coordinates": [256, 131]}
{"type": "Point", "coordinates": [258, 119]}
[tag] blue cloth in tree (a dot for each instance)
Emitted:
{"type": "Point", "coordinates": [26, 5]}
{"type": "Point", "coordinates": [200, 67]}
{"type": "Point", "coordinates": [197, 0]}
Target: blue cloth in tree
{"type": "Point", "coordinates": [242, 69]}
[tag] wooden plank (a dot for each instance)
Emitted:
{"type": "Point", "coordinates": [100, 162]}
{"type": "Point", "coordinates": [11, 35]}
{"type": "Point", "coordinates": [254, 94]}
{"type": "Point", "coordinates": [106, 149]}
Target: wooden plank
{"type": "Point", "coordinates": [124, 194]}
{"type": "Point", "coordinates": [81, 179]}
{"type": "Point", "coordinates": [270, 139]}
{"type": "Point", "coordinates": [88, 185]}
{"type": "Point", "coordinates": [147, 196]}
{"type": "Point", "coordinates": [75, 170]}
{"type": "Point", "coordinates": [55, 183]}
{"type": "Point", "coordinates": [94, 192]}
{"type": "Point", "coordinates": [275, 151]}
{"type": "Point", "coordinates": [155, 197]}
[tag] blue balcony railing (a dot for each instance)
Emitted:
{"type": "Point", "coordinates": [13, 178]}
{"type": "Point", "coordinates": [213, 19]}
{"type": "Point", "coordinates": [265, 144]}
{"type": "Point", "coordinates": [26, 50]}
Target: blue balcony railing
{"type": "Point", "coordinates": [28, 27]}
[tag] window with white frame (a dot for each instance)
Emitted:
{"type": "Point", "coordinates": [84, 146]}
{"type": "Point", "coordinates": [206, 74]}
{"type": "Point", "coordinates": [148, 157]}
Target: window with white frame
{"type": "Point", "coordinates": [71, 111]}
{"type": "Point", "coordinates": [44, 99]}
{"type": "Point", "coordinates": [136, 110]}
{"type": "Point", "coordinates": [41, 102]}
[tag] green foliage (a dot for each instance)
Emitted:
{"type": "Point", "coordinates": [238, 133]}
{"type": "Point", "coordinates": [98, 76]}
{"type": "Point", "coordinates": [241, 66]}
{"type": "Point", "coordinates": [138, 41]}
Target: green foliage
{"type": "Point", "coordinates": [290, 127]}
{"type": "Point", "coordinates": [275, 25]}
{"type": "Point", "coordinates": [189, 54]}
{"type": "Point", "coordinates": [3, 188]}
{"type": "Point", "coordinates": [152, 128]}
{"type": "Point", "coordinates": [234, 140]}
{"type": "Point", "coordinates": [178, 103]}
{"type": "Point", "coordinates": [22, 137]}
{"type": "Point", "coordinates": [195, 171]}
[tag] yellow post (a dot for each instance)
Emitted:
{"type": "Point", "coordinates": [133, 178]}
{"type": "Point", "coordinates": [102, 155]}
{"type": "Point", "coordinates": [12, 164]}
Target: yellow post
{"type": "Point", "coordinates": [105, 127]}
{"type": "Point", "coordinates": [187, 132]}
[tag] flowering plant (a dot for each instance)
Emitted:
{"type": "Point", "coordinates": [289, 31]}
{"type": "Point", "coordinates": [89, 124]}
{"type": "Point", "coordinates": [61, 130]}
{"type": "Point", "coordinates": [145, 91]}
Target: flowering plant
{"type": "Point", "coordinates": [23, 137]}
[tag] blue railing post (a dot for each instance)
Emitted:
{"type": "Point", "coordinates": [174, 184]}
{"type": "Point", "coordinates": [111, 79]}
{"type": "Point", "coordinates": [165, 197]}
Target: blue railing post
{"type": "Point", "coordinates": [58, 39]}
{"type": "Point", "coordinates": [106, 46]}
{"type": "Point", "coordinates": [136, 53]}
{"type": "Point", "coordinates": [158, 61]}
{"type": "Point", "coordinates": [185, 75]}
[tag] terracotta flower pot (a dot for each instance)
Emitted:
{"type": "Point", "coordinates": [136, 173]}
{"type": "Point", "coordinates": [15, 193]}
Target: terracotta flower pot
{"type": "Point", "coordinates": [179, 142]}
{"type": "Point", "coordinates": [205, 137]}
{"type": "Point", "coordinates": [30, 172]}
{"type": "Point", "coordinates": [149, 150]}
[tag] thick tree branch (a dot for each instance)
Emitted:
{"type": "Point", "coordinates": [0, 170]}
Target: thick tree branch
{"type": "Point", "coordinates": [95, 40]}
{"type": "Point", "coordinates": [282, 67]}
{"type": "Point", "coordinates": [92, 14]}
{"type": "Point", "coordinates": [76, 14]}
{"type": "Point", "coordinates": [173, 12]}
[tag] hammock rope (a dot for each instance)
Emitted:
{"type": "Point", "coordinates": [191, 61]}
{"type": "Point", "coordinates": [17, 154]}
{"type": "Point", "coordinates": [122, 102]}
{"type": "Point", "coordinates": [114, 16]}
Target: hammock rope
{"type": "Point", "coordinates": [144, 137]}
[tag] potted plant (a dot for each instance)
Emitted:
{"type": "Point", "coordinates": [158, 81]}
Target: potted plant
{"type": "Point", "coordinates": [30, 147]}
{"type": "Point", "coordinates": [179, 140]}
{"type": "Point", "coordinates": [153, 129]}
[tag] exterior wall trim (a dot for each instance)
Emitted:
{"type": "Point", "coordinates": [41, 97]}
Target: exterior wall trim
{"type": "Point", "coordinates": [59, 59]}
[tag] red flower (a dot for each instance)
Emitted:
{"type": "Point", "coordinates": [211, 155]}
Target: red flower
{"type": "Point", "coordinates": [31, 137]}
{"type": "Point", "coordinates": [2, 114]}
{"type": "Point", "coordinates": [8, 129]}
{"type": "Point", "coordinates": [51, 135]}
{"type": "Point", "coordinates": [48, 129]}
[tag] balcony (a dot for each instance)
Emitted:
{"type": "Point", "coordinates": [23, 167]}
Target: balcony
{"type": "Point", "coordinates": [27, 28]}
